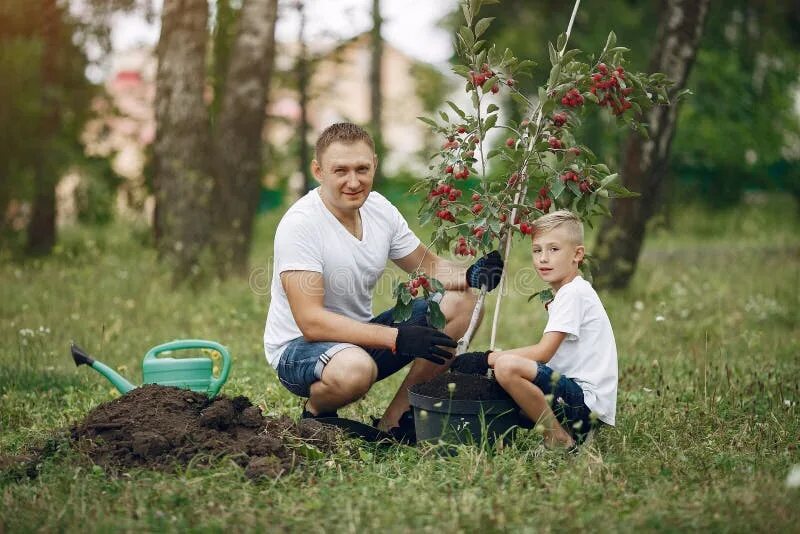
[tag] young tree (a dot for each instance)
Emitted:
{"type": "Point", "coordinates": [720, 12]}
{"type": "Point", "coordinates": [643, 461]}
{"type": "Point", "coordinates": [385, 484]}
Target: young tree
{"type": "Point", "coordinates": [207, 177]}
{"type": "Point", "coordinates": [544, 166]}
{"type": "Point", "coordinates": [645, 160]}
{"type": "Point", "coordinates": [375, 81]}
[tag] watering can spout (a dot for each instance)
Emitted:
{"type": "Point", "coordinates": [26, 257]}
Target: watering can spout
{"type": "Point", "coordinates": [80, 357]}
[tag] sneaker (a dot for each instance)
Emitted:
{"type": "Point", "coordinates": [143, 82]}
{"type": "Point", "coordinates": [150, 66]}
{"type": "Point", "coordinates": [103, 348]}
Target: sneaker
{"type": "Point", "coordinates": [405, 432]}
{"type": "Point", "coordinates": [308, 415]}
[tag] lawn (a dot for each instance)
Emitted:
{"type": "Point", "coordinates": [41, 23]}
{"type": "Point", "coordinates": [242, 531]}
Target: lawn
{"type": "Point", "coordinates": [707, 425]}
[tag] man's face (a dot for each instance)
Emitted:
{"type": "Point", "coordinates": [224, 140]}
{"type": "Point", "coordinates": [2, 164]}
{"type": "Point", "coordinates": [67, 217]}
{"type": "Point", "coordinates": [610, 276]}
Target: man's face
{"type": "Point", "coordinates": [556, 256]}
{"type": "Point", "coordinates": [345, 172]}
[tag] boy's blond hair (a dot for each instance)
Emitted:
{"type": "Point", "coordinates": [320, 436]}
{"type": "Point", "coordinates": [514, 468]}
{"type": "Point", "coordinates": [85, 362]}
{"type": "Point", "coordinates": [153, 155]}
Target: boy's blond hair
{"type": "Point", "coordinates": [553, 220]}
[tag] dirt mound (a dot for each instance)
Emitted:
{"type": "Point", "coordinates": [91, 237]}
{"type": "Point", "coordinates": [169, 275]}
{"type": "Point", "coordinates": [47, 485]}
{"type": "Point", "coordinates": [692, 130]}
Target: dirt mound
{"type": "Point", "coordinates": [467, 387]}
{"type": "Point", "coordinates": [161, 427]}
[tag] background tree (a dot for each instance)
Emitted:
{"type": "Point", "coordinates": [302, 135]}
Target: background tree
{"type": "Point", "coordinates": [45, 99]}
{"type": "Point", "coordinates": [207, 177]}
{"type": "Point", "coordinates": [645, 161]}
{"type": "Point", "coordinates": [375, 81]}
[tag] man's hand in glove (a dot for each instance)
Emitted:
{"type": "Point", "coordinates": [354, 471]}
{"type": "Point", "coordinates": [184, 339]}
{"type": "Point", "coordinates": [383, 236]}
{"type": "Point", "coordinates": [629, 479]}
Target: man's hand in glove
{"type": "Point", "coordinates": [471, 363]}
{"type": "Point", "coordinates": [486, 271]}
{"type": "Point", "coordinates": [423, 342]}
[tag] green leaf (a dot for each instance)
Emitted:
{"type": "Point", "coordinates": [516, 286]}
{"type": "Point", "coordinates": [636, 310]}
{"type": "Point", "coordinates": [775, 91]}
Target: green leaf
{"type": "Point", "coordinates": [428, 121]}
{"type": "Point", "coordinates": [492, 108]}
{"type": "Point", "coordinates": [482, 25]}
{"type": "Point", "coordinates": [436, 285]}
{"type": "Point", "coordinates": [562, 41]}
{"type": "Point", "coordinates": [435, 316]}
{"type": "Point", "coordinates": [548, 106]}
{"type": "Point", "coordinates": [610, 42]}
{"type": "Point", "coordinates": [608, 179]}
{"type": "Point", "coordinates": [553, 54]}
{"type": "Point", "coordinates": [467, 13]}
{"type": "Point", "coordinates": [557, 188]}
{"type": "Point", "coordinates": [576, 190]}
{"type": "Point", "coordinates": [405, 296]}
{"type": "Point", "coordinates": [457, 109]}
{"type": "Point", "coordinates": [467, 36]}
{"type": "Point", "coordinates": [402, 312]}
{"type": "Point", "coordinates": [493, 152]}
{"type": "Point", "coordinates": [554, 73]}
{"type": "Point", "coordinates": [444, 117]}
{"type": "Point", "coordinates": [461, 70]}
{"type": "Point", "coordinates": [491, 120]}
{"type": "Point", "coordinates": [545, 295]}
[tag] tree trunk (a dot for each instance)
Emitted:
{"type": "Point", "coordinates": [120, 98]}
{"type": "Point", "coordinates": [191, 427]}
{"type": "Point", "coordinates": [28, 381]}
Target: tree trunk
{"type": "Point", "coordinates": [238, 144]}
{"type": "Point", "coordinates": [42, 226]}
{"type": "Point", "coordinates": [644, 162]}
{"type": "Point", "coordinates": [375, 81]}
{"type": "Point", "coordinates": [302, 90]}
{"type": "Point", "coordinates": [182, 180]}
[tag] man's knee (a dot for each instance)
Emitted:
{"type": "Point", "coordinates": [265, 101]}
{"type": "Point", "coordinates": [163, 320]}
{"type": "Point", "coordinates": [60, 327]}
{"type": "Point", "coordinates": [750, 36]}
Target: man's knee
{"type": "Point", "coordinates": [459, 304]}
{"type": "Point", "coordinates": [350, 372]}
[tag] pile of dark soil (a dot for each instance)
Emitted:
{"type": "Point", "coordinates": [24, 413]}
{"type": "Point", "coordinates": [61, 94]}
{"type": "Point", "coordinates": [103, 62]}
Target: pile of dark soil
{"type": "Point", "coordinates": [161, 427]}
{"type": "Point", "coordinates": [467, 387]}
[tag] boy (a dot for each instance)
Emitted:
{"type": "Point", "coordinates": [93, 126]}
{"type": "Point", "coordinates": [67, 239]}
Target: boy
{"type": "Point", "coordinates": [570, 375]}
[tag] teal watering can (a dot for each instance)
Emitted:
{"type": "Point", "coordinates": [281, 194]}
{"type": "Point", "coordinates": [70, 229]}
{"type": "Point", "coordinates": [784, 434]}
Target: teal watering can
{"type": "Point", "coordinates": [185, 373]}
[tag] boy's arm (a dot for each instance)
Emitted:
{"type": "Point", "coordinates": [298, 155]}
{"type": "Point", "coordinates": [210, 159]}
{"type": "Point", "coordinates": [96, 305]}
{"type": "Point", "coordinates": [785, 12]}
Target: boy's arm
{"type": "Point", "coordinates": [542, 352]}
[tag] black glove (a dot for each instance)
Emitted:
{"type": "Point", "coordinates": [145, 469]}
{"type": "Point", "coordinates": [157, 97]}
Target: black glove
{"type": "Point", "coordinates": [486, 271]}
{"type": "Point", "coordinates": [471, 363]}
{"type": "Point", "coordinates": [423, 342]}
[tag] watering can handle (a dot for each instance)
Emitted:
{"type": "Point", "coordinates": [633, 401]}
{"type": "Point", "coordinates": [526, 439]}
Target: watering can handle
{"type": "Point", "coordinates": [182, 344]}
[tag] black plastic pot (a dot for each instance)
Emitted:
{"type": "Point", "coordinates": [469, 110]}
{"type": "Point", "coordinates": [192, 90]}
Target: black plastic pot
{"type": "Point", "coordinates": [462, 421]}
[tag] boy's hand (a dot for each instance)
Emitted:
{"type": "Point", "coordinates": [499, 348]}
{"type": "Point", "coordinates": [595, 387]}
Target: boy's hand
{"type": "Point", "coordinates": [486, 271]}
{"type": "Point", "coordinates": [471, 363]}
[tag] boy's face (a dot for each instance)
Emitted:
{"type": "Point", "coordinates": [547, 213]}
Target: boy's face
{"type": "Point", "coordinates": [556, 256]}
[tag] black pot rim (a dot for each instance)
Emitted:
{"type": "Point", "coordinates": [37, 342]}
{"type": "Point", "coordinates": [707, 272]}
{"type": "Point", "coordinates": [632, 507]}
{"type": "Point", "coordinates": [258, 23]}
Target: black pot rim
{"type": "Point", "coordinates": [460, 406]}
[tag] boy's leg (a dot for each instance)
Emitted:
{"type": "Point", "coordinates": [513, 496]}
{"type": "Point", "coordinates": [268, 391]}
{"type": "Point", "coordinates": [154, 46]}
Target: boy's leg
{"type": "Point", "coordinates": [457, 308]}
{"type": "Point", "coordinates": [516, 375]}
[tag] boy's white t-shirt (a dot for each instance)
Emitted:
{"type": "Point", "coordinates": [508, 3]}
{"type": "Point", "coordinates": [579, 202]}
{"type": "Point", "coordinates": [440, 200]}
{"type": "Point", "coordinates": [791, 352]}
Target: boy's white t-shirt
{"type": "Point", "coordinates": [588, 354]}
{"type": "Point", "coordinates": [310, 238]}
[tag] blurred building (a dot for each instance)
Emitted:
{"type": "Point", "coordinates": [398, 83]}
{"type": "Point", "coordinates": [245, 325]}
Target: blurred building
{"type": "Point", "coordinates": [339, 90]}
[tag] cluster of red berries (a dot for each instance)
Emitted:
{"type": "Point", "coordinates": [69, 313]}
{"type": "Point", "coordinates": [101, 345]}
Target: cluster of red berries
{"type": "Point", "coordinates": [478, 231]}
{"type": "Point", "coordinates": [463, 248]}
{"type": "Point", "coordinates": [446, 191]}
{"type": "Point", "coordinates": [573, 98]}
{"type": "Point", "coordinates": [613, 96]}
{"type": "Point", "coordinates": [479, 78]}
{"type": "Point", "coordinates": [543, 201]}
{"type": "Point", "coordinates": [446, 215]}
{"type": "Point", "coordinates": [511, 142]}
{"type": "Point", "coordinates": [559, 119]}
{"type": "Point", "coordinates": [555, 143]}
{"type": "Point", "coordinates": [459, 172]}
{"type": "Point", "coordinates": [513, 179]}
{"type": "Point", "coordinates": [451, 143]}
{"type": "Point", "coordinates": [414, 285]}
{"type": "Point", "coordinates": [570, 176]}
{"type": "Point", "coordinates": [526, 228]}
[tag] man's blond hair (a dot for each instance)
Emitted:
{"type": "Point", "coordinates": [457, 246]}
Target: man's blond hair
{"type": "Point", "coordinates": [565, 218]}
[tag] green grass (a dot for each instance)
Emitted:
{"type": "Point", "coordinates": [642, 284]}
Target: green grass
{"type": "Point", "coordinates": [707, 430]}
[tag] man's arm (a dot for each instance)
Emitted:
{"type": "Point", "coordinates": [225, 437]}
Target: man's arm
{"type": "Point", "coordinates": [450, 274]}
{"type": "Point", "coordinates": [305, 291]}
{"type": "Point", "coordinates": [542, 352]}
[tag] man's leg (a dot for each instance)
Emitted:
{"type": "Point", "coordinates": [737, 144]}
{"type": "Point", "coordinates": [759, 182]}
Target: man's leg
{"type": "Point", "coordinates": [345, 379]}
{"type": "Point", "coordinates": [516, 375]}
{"type": "Point", "coordinates": [457, 307]}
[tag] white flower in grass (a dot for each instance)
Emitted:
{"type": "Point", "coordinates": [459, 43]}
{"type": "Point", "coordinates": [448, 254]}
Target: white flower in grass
{"type": "Point", "coordinates": [638, 305]}
{"type": "Point", "coordinates": [451, 386]}
{"type": "Point", "coordinates": [660, 318]}
{"type": "Point", "coordinates": [793, 478]}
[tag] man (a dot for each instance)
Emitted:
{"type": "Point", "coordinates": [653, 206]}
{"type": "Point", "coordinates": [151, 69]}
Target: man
{"type": "Point", "coordinates": [331, 247]}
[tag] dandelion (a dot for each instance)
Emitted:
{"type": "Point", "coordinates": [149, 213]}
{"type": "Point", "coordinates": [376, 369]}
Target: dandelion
{"type": "Point", "coordinates": [638, 305]}
{"type": "Point", "coordinates": [660, 318]}
{"type": "Point", "coordinates": [793, 478]}
{"type": "Point", "coordinates": [451, 387]}
{"type": "Point", "coordinates": [423, 414]}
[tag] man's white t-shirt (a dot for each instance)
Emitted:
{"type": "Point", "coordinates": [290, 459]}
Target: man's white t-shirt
{"type": "Point", "coordinates": [588, 354]}
{"type": "Point", "coordinates": [310, 238]}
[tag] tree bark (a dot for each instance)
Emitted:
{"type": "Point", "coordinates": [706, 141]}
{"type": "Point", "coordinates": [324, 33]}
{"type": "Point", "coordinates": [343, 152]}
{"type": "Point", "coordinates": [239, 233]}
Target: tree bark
{"type": "Point", "coordinates": [644, 164]}
{"type": "Point", "coordinates": [182, 180]}
{"type": "Point", "coordinates": [42, 226]}
{"type": "Point", "coordinates": [375, 82]}
{"type": "Point", "coordinates": [238, 143]}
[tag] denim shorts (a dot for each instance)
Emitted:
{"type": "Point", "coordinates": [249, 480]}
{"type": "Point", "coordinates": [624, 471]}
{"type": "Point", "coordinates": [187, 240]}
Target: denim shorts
{"type": "Point", "coordinates": [567, 404]}
{"type": "Point", "coordinates": [302, 362]}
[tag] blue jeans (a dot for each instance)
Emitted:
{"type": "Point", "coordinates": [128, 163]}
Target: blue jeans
{"type": "Point", "coordinates": [567, 404]}
{"type": "Point", "coordinates": [302, 362]}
